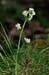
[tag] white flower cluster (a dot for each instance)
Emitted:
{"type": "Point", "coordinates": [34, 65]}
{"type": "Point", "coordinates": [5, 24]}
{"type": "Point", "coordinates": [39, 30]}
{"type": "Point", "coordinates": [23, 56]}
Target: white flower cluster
{"type": "Point", "coordinates": [30, 13]}
{"type": "Point", "coordinates": [27, 40]}
{"type": "Point", "coordinates": [18, 26]}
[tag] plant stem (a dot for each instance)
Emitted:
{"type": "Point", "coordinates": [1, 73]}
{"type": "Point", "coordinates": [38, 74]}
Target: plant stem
{"type": "Point", "coordinates": [21, 36]}
{"type": "Point", "coordinates": [19, 46]}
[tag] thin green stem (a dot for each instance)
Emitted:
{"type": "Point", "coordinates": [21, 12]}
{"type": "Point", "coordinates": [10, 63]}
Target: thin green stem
{"type": "Point", "coordinates": [5, 36]}
{"type": "Point", "coordinates": [44, 50]}
{"type": "Point", "coordinates": [7, 40]}
{"type": "Point", "coordinates": [19, 46]}
{"type": "Point", "coordinates": [21, 36]}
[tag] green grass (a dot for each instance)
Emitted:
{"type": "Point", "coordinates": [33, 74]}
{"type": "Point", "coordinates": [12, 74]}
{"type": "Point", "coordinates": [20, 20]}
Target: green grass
{"type": "Point", "coordinates": [32, 58]}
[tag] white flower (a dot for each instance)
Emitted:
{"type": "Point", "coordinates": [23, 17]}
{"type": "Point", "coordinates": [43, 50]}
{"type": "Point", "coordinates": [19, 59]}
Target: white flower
{"type": "Point", "coordinates": [27, 40]}
{"type": "Point", "coordinates": [18, 26]}
{"type": "Point", "coordinates": [30, 17]}
{"type": "Point", "coordinates": [31, 10]}
{"type": "Point", "coordinates": [25, 13]}
{"type": "Point", "coordinates": [33, 13]}
{"type": "Point", "coordinates": [29, 14]}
